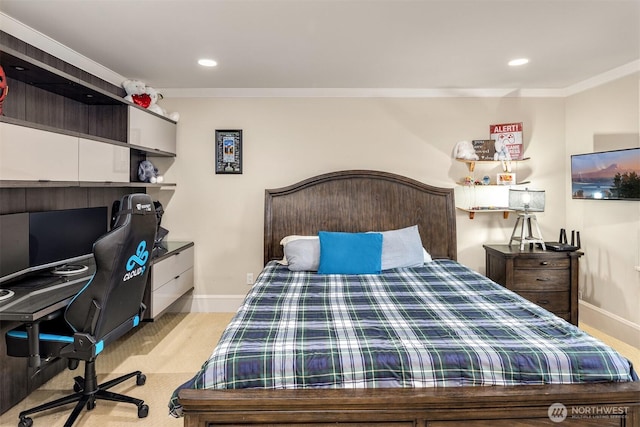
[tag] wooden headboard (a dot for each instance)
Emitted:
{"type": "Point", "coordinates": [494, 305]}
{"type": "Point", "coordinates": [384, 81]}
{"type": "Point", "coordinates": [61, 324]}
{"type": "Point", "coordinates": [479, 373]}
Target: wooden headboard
{"type": "Point", "coordinates": [360, 200]}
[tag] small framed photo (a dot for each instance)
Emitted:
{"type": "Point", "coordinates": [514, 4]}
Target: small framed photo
{"type": "Point", "coordinates": [506, 178]}
{"type": "Point", "coordinates": [229, 151]}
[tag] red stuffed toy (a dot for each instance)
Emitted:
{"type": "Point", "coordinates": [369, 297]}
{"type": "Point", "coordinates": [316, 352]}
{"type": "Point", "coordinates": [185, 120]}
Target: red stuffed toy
{"type": "Point", "coordinates": [4, 88]}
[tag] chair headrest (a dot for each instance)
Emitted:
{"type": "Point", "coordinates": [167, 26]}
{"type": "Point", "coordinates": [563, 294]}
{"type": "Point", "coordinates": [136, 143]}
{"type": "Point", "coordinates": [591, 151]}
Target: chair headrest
{"type": "Point", "coordinates": [134, 204]}
{"type": "Point", "coordinates": [140, 204]}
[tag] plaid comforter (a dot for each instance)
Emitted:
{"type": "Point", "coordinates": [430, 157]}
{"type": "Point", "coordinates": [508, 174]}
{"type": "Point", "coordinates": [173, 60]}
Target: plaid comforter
{"type": "Point", "coordinates": [433, 326]}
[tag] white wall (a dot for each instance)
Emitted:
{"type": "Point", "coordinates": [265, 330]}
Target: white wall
{"type": "Point", "coordinates": [610, 230]}
{"type": "Point", "coordinates": [289, 139]}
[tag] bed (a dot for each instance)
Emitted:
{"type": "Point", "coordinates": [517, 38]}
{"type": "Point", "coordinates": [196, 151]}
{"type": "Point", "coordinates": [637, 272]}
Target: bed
{"type": "Point", "coordinates": [480, 384]}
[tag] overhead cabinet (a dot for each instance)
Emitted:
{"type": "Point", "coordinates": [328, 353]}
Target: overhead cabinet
{"type": "Point", "coordinates": [151, 132]}
{"type": "Point", "coordinates": [63, 130]}
{"type": "Point", "coordinates": [99, 162]}
{"type": "Point", "coordinates": [28, 154]}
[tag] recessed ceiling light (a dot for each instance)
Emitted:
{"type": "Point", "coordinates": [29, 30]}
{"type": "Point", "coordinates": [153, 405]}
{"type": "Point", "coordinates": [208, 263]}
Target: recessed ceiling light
{"type": "Point", "coordinates": [517, 62]}
{"type": "Point", "coordinates": [207, 62]}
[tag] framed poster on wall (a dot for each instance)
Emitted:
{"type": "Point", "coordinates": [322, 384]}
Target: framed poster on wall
{"type": "Point", "coordinates": [229, 151]}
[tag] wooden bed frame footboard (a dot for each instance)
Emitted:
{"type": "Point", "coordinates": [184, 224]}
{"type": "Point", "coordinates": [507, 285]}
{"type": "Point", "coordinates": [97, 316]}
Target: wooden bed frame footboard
{"type": "Point", "coordinates": [360, 200]}
{"type": "Point", "coordinates": [584, 405]}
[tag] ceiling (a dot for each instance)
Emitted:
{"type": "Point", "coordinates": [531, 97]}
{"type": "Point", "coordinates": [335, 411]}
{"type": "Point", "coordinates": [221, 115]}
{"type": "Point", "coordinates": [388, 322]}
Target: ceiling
{"type": "Point", "coordinates": [392, 44]}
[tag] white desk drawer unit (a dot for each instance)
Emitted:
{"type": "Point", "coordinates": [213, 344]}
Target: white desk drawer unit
{"type": "Point", "coordinates": [171, 278]}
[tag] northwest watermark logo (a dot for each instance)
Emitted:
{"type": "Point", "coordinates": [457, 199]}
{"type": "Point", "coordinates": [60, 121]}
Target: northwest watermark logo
{"type": "Point", "coordinates": [140, 258]}
{"type": "Point", "coordinates": [557, 412]}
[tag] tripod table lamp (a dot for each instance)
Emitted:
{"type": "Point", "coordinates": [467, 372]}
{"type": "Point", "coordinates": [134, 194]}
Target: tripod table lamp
{"type": "Point", "coordinates": [526, 202]}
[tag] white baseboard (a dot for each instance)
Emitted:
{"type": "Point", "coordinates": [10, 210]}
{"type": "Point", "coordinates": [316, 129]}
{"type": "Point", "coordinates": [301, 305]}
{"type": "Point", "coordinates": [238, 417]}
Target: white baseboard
{"type": "Point", "coordinates": [207, 304]}
{"type": "Point", "coordinates": [609, 323]}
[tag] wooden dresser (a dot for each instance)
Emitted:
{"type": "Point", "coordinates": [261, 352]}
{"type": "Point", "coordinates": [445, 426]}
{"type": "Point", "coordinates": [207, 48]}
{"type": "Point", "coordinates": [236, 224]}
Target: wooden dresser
{"type": "Point", "coordinates": [547, 278]}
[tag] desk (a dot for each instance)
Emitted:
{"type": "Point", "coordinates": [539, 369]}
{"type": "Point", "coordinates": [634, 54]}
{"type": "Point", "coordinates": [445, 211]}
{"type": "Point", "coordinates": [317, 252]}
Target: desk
{"type": "Point", "coordinates": [32, 301]}
{"type": "Point", "coordinates": [20, 376]}
{"type": "Point", "coordinates": [39, 295]}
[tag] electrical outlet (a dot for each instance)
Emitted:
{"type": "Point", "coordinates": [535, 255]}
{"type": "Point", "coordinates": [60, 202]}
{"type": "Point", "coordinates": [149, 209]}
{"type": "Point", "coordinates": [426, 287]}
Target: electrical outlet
{"type": "Point", "coordinates": [249, 278]}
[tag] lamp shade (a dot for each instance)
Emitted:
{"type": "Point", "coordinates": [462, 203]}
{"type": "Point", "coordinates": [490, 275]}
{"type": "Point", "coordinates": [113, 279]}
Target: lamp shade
{"type": "Point", "coordinates": [526, 200]}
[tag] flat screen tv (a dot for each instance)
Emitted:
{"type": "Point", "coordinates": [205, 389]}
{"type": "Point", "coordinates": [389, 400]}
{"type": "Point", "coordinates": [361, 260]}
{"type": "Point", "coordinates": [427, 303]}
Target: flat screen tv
{"type": "Point", "coordinates": [606, 175]}
{"type": "Point", "coordinates": [35, 241]}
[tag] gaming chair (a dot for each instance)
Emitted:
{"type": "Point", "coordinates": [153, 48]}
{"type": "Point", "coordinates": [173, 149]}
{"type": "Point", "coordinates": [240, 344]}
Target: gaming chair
{"type": "Point", "coordinates": [106, 308]}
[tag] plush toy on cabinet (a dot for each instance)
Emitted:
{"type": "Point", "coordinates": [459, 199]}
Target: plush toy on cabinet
{"type": "Point", "coordinates": [147, 172]}
{"type": "Point", "coordinates": [146, 97]}
{"type": "Point", "coordinates": [136, 93]}
{"type": "Point", "coordinates": [155, 97]}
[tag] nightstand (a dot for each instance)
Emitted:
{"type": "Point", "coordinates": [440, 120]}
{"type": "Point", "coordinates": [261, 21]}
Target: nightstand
{"type": "Point", "coordinates": [546, 278]}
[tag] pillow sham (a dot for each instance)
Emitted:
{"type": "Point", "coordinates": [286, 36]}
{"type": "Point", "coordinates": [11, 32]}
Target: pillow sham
{"type": "Point", "coordinates": [303, 254]}
{"type": "Point", "coordinates": [350, 253]}
{"type": "Point", "coordinates": [403, 248]}
{"type": "Point", "coordinates": [287, 239]}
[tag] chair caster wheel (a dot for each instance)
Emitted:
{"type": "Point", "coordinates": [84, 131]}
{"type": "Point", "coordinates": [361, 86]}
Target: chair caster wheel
{"type": "Point", "coordinates": [78, 384]}
{"type": "Point", "coordinates": [25, 422]}
{"type": "Point", "coordinates": [141, 379]}
{"type": "Point", "coordinates": [143, 411]}
{"type": "Point", "coordinates": [91, 404]}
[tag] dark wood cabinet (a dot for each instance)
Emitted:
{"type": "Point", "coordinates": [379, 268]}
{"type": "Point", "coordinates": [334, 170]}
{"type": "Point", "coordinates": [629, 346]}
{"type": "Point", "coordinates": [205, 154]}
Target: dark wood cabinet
{"type": "Point", "coordinates": [53, 104]}
{"type": "Point", "coordinates": [547, 278]}
{"type": "Point", "coordinates": [62, 127]}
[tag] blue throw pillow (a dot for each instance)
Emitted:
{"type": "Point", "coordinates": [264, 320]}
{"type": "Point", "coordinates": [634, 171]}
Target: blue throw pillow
{"type": "Point", "coordinates": [350, 253]}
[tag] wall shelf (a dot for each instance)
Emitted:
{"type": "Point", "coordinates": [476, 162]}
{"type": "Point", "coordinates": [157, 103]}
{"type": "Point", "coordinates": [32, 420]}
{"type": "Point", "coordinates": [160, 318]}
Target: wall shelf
{"type": "Point", "coordinates": [506, 164]}
{"type": "Point", "coordinates": [472, 212]}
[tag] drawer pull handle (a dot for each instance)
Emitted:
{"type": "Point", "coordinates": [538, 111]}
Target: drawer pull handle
{"type": "Point", "coordinates": [543, 301]}
{"type": "Point", "coordinates": [543, 279]}
{"type": "Point", "coordinates": [544, 263]}
{"type": "Point", "coordinates": [177, 277]}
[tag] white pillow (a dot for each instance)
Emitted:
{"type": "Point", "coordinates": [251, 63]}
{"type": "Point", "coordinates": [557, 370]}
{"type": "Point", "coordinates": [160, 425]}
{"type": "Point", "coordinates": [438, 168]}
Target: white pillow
{"type": "Point", "coordinates": [303, 254]}
{"type": "Point", "coordinates": [291, 238]}
{"type": "Point", "coordinates": [402, 248]}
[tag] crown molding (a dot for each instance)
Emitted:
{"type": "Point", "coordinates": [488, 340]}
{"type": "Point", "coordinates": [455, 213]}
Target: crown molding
{"type": "Point", "coordinates": [356, 93]}
{"type": "Point", "coordinates": [599, 80]}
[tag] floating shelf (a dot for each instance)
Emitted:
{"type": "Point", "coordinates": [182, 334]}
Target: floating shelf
{"type": "Point", "coordinates": [472, 212]}
{"type": "Point", "coordinates": [471, 164]}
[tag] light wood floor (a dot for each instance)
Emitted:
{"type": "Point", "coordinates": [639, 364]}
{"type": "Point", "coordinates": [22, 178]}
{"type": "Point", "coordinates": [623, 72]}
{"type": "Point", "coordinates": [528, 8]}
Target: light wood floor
{"type": "Point", "coordinates": [169, 352]}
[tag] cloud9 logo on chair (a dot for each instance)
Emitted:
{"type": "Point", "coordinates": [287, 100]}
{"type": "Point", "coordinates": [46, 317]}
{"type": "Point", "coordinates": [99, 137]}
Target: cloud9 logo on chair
{"type": "Point", "coordinates": [140, 258]}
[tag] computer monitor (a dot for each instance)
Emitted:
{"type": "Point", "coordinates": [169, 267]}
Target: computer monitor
{"type": "Point", "coordinates": [64, 235]}
{"type": "Point", "coordinates": [39, 240]}
{"type": "Point", "coordinates": [14, 244]}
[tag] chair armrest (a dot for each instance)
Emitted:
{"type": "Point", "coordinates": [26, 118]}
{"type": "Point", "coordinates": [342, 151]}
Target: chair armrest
{"type": "Point", "coordinates": [83, 347]}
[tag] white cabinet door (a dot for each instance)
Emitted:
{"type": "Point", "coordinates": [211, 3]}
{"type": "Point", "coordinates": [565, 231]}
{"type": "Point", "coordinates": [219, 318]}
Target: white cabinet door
{"type": "Point", "coordinates": [150, 131]}
{"type": "Point", "coordinates": [102, 162]}
{"type": "Point", "coordinates": [28, 154]}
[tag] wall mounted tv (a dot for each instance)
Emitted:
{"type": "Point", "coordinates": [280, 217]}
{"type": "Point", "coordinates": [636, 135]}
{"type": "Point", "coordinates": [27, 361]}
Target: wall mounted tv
{"type": "Point", "coordinates": [606, 175]}
{"type": "Point", "coordinates": [33, 241]}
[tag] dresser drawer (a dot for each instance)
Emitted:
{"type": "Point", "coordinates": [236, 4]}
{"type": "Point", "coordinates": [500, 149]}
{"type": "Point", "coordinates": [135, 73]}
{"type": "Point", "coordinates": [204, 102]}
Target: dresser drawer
{"type": "Point", "coordinates": [169, 292]}
{"type": "Point", "coordinates": [531, 262]}
{"type": "Point", "coordinates": [556, 302]}
{"type": "Point", "coordinates": [548, 279]}
{"type": "Point", "coordinates": [168, 268]}
{"type": "Point", "coordinates": [541, 280]}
